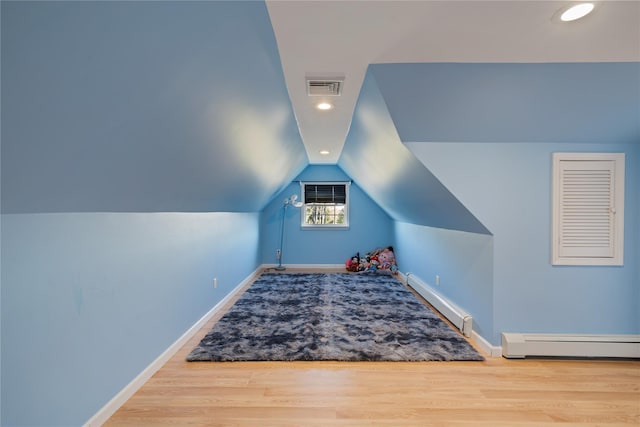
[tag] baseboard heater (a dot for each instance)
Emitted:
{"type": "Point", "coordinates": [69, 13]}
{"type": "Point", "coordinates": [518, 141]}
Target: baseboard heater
{"type": "Point", "coordinates": [454, 314]}
{"type": "Point", "coordinates": [521, 345]}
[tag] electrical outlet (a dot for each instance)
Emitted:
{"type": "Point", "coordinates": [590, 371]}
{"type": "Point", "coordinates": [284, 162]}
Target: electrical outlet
{"type": "Point", "coordinates": [278, 253]}
{"type": "Point", "coordinates": [437, 280]}
{"type": "Point", "coordinates": [215, 282]}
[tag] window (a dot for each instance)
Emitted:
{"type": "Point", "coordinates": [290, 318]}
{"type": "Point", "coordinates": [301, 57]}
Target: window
{"type": "Point", "coordinates": [588, 209]}
{"type": "Point", "coordinates": [326, 204]}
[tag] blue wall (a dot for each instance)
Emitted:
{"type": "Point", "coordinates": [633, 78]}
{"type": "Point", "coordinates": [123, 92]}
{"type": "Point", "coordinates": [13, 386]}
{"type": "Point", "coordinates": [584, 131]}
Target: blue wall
{"type": "Point", "coordinates": [91, 299]}
{"type": "Point", "coordinates": [463, 260]}
{"type": "Point", "coordinates": [508, 187]}
{"type": "Point", "coordinates": [504, 102]}
{"type": "Point", "coordinates": [369, 226]}
{"type": "Point", "coordinates": [375, 157]}
{"type": "Point", "coordinates": [110, 109]}
{"type": "Point", "coordinates": [165, 106]}
{"type": "Point", "coordinates": [182, 107]}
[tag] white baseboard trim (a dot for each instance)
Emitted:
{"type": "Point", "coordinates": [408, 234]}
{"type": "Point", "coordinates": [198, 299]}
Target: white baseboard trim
{"type": "Point", "coordinates": [306, 266]}
{"type": "Point", "coordinates": [521, 345]}
{"type": "Point", "coordinates": [486, 346]}
{"type": "Point", "coordinates": [455, 314]}
{"type": "Point", "coordinates": [130, 389]}
{"type": "Point", "coordinates": [461, 319]}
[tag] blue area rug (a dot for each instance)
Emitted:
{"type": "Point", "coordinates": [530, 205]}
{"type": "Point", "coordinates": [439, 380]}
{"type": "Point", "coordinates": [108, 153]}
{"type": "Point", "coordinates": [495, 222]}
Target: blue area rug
{"type": "Point", "coordinates": [336, 316]}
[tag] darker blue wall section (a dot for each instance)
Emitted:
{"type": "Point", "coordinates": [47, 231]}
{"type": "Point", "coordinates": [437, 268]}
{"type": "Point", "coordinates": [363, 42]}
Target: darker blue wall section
{"type": "Point", "coordinates": [140, 140]}
{"type": "Point", "coordinates": [392, 176]}
{"type": "Point", "coordinates": [143, 107]}
{"type": "Point", "coordinates": [554, 102]}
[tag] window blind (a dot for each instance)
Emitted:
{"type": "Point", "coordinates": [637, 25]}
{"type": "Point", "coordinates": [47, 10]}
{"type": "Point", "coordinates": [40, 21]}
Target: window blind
{"type": "Point", "coordinates": [325, 193]}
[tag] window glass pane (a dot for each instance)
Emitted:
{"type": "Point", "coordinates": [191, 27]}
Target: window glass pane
{"type": "Point", "coordinates": [340, 215]}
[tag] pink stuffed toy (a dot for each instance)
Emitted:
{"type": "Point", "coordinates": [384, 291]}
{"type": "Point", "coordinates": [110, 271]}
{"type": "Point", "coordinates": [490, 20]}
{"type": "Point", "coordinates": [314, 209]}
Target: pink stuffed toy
{"type": "Point", "coordinates": [387, 259]}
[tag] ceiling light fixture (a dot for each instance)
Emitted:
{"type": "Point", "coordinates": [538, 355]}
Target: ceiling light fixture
{"type": "Point", "coordinates": [576, 11]}
{"type": "Point", "coordinates": [325, 152]}
{"type": "Point", "coordinates": [324, 106]}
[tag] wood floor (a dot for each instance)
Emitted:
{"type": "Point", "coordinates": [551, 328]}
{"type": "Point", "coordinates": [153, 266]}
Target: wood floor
{"type": "Point", "coordinates": [496, 392]}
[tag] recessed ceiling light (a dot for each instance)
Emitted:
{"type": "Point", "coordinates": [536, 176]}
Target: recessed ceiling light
{"type": "Point", "coordinates": [325, 152]}
{"type": "Point", "coordinates": [576, 11]}
{"type": "Point", "coordinates": [324, 106]}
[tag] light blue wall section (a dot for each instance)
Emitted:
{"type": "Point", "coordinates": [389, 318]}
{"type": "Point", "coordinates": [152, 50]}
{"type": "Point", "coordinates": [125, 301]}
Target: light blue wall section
{"type": "Point", "coordinates": [464, 262]}
{"type": "Point", "coordinates": [508, 187]}
{"type": "Point", "coordinates": [89, 300]}
{"type": "Point", "coordinates": [369, 226]}
{"type": "Point", "coordinates": [143, 107]}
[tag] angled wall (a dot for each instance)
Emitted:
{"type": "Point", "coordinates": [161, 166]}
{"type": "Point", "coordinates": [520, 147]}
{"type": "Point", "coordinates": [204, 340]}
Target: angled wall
{"type": "Point", "coordinates": [487, 132]}
{"type": "Point", "coordinates": [143, 107]}
{"type": "Point", "coordinates": [392, 176]}
{"type": "Point", "coordinates": [506, 102]}
{"type": "Point", "coordinates": [139, 142]}
{"type": "Point", "coordinates": [434, 233]}
{"type": "Point", "coordinates": [509, 186]}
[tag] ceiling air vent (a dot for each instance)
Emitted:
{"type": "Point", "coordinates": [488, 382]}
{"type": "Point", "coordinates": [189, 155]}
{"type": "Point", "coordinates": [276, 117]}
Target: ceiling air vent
{"type": "Point", "coordinates": [324, 87]}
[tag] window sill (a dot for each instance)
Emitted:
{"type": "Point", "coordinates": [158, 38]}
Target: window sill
{"type": "Point", "coordinates": [325, 227]}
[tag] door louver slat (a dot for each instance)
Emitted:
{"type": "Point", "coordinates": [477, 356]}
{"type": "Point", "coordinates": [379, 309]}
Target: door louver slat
{"type": "Point", "coordinates": [586, 210]}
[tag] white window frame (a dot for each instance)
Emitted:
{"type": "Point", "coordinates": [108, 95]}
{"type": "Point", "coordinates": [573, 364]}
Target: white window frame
{"type": "Point", "coordinates": [303, 210]}
{"type": "Point", "coordinates": [588, 209]}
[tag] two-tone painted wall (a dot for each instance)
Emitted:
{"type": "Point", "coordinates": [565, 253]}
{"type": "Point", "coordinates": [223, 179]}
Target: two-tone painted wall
{"type": "Point", "coordinates": [147, 148]}
{"type": "Point", "coordinates": [139, 146]}
{"type": "Point", "coordinates": [483, 135]}
{"type": "Point", "coordinates": [511, 190]}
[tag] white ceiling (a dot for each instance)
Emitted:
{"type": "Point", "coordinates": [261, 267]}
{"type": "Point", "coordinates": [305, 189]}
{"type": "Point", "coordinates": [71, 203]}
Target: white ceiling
{"type": "Point", "coordinates": [344, 37]}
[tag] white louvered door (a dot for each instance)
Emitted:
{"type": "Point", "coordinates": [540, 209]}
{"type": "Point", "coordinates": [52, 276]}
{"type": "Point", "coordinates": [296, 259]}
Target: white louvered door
{"type": "Point", "coordinates": [588, 209]}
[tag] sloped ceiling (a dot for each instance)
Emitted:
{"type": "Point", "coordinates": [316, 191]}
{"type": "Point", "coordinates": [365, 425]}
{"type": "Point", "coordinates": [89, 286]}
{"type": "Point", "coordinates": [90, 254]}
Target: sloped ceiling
{"type": "Point", "coordinates": [344, 37]}
{"type": "Point", "coordinates": [201, 106]}
{"type": "Point", "coordinates": [143, 106]}
{"type": "Point", "coordinates": [393, 177]}
{"type": "Point", "coordinates": [550, 102]}
{"type": "Point", "coordinates": [457, 102]}
{"type": "Point", "coordinates": [454, 71]}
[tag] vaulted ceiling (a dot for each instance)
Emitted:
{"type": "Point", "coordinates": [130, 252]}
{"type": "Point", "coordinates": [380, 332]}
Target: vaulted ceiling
{"type": "Point", "coordinates": [344, 37]}
{"type": "Point", "coordinates": [144, 107]}
{"type": "Point", "coordinates": [202, 106]}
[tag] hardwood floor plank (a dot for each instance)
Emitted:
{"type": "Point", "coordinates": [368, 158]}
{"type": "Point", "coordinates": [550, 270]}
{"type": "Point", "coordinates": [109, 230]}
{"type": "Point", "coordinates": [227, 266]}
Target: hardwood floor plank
{"type": "Point", "coordinates": [496, 392]}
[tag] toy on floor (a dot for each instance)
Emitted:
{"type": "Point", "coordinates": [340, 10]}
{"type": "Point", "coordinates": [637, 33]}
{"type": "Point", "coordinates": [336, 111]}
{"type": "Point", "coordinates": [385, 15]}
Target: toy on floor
{"type": "Point", "coordinates": [382, 259]}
